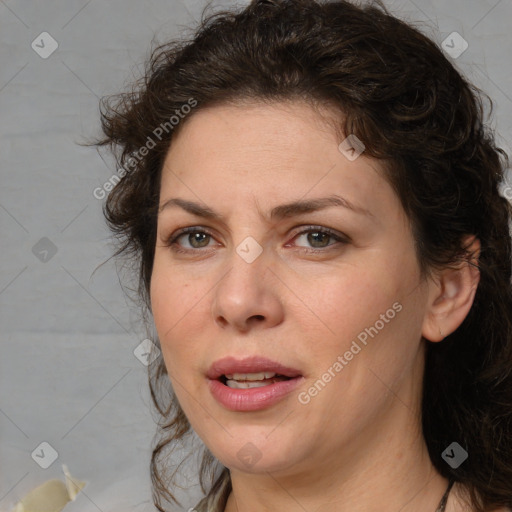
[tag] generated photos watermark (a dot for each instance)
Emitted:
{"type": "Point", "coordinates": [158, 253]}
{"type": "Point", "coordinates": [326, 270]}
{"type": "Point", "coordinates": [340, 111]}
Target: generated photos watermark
{"type": "Point", "coordinates": [305, 397]}
{"type": "Point", "coordinates": [165, 127]}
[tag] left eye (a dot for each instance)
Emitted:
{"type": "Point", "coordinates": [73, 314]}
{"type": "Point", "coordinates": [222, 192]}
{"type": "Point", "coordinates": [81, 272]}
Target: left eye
{"type": "Point", "coordinates": [318, 238]}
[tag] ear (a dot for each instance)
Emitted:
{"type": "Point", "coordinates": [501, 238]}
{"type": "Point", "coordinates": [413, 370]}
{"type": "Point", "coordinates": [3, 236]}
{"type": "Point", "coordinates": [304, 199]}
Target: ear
{"type": "Point", "coordinates": [451, 295]}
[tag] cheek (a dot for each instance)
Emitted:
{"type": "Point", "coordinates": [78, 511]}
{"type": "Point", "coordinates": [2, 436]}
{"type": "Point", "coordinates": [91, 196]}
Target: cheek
{"type": "Point", "coordinates": [173, 297]}
{"type": "Point", "coordinates": [375, 300]}
{"type": "Point", "coordinates": [170, 308]}
{"type": "Point", "coordinates": [377, 352]}
{"type": "Point", "coordinates": [354, 299]}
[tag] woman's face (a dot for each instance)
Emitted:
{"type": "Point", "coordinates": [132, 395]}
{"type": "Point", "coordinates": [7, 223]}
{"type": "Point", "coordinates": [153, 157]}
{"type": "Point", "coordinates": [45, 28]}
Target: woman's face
{"type": "Point", "coordinates": [326, 295]}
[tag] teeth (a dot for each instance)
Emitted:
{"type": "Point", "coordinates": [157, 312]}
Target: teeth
{"type": "Point", "coordinates": [246, 385]}
{"type": "Point", "coordinates": [250, 376]}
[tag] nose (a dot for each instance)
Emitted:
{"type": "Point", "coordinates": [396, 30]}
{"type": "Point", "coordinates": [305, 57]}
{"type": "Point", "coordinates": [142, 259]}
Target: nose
{"type": "Point", "coordinates": [247, 296]}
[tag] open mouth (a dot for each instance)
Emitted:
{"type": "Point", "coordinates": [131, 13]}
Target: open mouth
{"type": "Point", "coordinates": [251, 380]}
{"type": "Point", "coordinates": [252, 383]}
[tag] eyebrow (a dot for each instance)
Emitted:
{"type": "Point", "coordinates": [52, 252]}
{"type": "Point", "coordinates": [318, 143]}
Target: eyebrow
{"type": "Point", "coordinates": [279, 212]}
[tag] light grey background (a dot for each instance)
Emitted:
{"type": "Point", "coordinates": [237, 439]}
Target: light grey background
{"type": "Point", "coordinates": [68, 373]}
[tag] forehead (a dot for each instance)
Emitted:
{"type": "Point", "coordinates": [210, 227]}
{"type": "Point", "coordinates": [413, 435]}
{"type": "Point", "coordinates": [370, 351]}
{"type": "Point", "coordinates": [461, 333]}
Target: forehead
{"type": "Point", "coordinates": [256, 127]}
{"type": "Point", "coordinates": [273, 152]}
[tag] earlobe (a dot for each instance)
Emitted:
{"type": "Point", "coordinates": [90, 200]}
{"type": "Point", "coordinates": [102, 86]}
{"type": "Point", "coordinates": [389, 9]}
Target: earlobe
{"type": "Point", "coordinates": [451, 295]}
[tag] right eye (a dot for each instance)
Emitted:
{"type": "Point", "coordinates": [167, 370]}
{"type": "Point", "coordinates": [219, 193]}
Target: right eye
{"type": "Point", "coordinates": [196, 238]}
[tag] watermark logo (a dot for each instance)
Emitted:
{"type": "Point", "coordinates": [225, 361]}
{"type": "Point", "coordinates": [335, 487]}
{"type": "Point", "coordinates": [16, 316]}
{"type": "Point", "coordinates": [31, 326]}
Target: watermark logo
{"type": "Point", "coordinates": [249, 249]}
{"type": "Point", "coordinates": [44, 250]}
{"type": "Point", "coordinates": [249, 455]}
{"type": "Point", "coordinates": [45, 455]}
{"type": "Point", "coordinates": [163, 128]}
{"type": "Point", "coordinates": [101, 192]}
{"type": "Point", "coordinates": [455, 45]}
{"type": "Point", "coordinates": [146, 352]}
{"type": "Point", "coordinates": [305, 397]}
{"type": "Point", "coordinates": [454, 455]}
{"type": "Point", "coordinates": [352, 148]}
{"type": "Point", "coordinates": [506, 192]}
{"type": "Point", "coordinates": [505, 186]}
{"type": "Point", "coordinates": [158, 133]}
{"type": "Point", "coordinates": [44, 45]}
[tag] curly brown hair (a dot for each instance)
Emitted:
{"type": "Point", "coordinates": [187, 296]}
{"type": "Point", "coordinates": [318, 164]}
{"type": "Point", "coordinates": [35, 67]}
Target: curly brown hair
{"type": "Point", "coordinates": [398, 93]}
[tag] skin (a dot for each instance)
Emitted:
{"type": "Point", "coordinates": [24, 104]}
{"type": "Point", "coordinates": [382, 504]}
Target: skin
{"type": "Point", "coordinates": [357, 442]}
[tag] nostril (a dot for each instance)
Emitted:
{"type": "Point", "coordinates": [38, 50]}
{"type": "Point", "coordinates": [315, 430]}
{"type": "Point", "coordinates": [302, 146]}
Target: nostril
{"type": "Point", "coordinates": [222, 321]}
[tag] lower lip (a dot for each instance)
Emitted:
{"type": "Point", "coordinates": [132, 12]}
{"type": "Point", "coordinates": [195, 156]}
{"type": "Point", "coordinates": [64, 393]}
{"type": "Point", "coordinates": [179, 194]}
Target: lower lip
{"type": "Point", "coordinates": [253, 399]}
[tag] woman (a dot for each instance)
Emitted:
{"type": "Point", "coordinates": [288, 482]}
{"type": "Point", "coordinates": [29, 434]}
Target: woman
{"type": "Point", "coordinates": [311, 199]}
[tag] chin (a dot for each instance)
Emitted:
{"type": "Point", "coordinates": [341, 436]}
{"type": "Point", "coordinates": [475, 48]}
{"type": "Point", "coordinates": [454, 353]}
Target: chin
{"type": "Point", "coordinates": [251, 451]}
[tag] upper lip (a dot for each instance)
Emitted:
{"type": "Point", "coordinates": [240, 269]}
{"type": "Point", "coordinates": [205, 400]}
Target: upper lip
{"type": "Point", "coordinates": [253, 364]}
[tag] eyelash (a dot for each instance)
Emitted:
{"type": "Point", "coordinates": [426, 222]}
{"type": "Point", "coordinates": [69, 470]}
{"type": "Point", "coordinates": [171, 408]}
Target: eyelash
{"type": "Point", "coordinates": [172, 241]}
